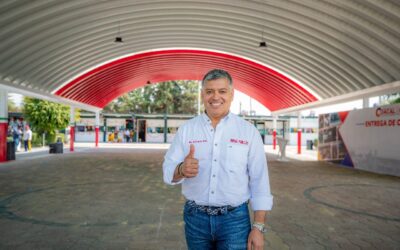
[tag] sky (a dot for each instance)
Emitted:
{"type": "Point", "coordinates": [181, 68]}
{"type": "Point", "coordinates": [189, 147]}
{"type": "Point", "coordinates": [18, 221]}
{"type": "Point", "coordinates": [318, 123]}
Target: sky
{"type": "Point", "coordinates": [243, 100]}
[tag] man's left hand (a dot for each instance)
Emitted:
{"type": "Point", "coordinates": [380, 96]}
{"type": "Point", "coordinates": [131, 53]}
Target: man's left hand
{"type": "Point", "coordinates": [256, 240]}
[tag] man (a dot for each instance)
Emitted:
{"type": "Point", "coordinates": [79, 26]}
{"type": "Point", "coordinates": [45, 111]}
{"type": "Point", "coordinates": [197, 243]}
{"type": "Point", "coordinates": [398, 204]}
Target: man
{"type": "Point", "coordinates": [15, 132]}
{"type": "Point", "coordinates": [220, 161]}
{"type": "Point", "coordinates": [27, 137]}
{"type": "Point", "coordinates": [127, 135]}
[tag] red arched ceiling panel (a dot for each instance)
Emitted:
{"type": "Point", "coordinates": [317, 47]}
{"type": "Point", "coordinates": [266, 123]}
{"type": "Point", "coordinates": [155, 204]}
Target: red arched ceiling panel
{"type": "Point", "coordinates": [103, 84]}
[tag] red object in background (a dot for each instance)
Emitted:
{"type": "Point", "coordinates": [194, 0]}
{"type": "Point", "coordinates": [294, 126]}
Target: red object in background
{"type": "Point", "coordinates": [3, 141]}
{"type": "Point", "coordinates": [274, 139]}
{"type": "Point", "coordinates": [72, 138]}
{"type": "Point", "coordinates": [299, 141]}
{"type": "Point", "coordinates": [97, 137]}
{"type": "Point", "coordinates": [269, 87]}
{"type": "Point", "coordinates": [343, 115]}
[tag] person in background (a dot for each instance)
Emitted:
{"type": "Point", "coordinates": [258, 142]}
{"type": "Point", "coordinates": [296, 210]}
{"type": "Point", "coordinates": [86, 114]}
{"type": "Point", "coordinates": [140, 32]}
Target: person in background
{"type": "Point", "coordinates": [127, 135]}
{"type": "Point", "coordinates": [131, 135]}
{"type": "Point", "coordinates": [116, 133]}
{"type": "Point", "coordinates": [220, 161]}
{"type": "Point", "coordinates": [19, 133]}
{"type": "Point", "coordinates": [27, 137]}
{"type": "Point", "coordinates": [111, 137]}
{"type": "Point", "coordinates": [13, 126]}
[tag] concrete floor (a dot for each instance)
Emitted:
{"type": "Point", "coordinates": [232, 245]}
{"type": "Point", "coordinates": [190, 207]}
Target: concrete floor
{"type": "Point", "coordinates": [114, 198]}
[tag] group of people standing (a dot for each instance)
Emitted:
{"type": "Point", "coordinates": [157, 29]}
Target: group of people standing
{"type": "Point", "coordinates": [21, 133]}
{"type": "Point", "coordinates": [121, 136]}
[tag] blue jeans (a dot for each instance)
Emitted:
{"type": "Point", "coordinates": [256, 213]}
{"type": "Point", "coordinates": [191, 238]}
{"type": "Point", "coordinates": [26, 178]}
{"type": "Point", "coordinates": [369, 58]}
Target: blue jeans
{"type": "Point", "coordinates": [227, 231]}
{"type": "Point", "coordinates": [26, 145]}
{"type": "Point", "coordinates": [16, 141]}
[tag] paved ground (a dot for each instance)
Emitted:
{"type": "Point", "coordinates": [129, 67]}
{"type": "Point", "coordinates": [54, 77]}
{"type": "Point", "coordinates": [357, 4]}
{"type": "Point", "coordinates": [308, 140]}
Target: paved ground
{"type": "Point", "coordinates": [114, 198]}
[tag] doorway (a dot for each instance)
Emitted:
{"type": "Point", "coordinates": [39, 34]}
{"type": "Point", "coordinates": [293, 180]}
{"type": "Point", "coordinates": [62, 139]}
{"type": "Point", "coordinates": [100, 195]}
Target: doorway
{"type": "Point", "coordinates": [141, 130]}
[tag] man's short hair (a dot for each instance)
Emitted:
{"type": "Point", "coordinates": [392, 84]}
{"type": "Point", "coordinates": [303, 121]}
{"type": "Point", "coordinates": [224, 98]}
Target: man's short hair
{"type": "Point", "coordinates": [216, 74]}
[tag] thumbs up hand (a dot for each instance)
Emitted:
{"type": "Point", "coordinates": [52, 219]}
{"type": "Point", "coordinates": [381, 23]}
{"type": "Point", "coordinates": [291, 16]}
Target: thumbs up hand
{"type": "Point", "coordinates": [190, 166]}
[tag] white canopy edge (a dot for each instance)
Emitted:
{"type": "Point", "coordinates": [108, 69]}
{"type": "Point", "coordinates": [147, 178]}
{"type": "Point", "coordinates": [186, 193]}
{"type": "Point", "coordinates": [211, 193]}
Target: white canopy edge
{"type": "Point", "coordinates": [48, 97]}
{"type": "Point", "coordinates": [387, 88]}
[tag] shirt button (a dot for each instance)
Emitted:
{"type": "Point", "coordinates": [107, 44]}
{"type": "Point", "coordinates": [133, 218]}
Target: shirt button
{"type": "Point", "coordinates": [212, 130]}
{"type": "Point", "coordinates": [214, 175]}
{"type": "Point", "coordinates": [212, 192]}
{"type": "Point", "coordinates": [215, 144]}
{"type": "Point", "coordinates": [215, 159]}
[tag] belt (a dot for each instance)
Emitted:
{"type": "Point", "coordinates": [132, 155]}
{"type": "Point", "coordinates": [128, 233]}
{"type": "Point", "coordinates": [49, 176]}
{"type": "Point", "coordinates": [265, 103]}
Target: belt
{"type": "Point", "coordinates": [211, 210]}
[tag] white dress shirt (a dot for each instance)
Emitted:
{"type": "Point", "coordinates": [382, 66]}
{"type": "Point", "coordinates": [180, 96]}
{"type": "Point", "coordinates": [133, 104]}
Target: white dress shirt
{"type": "Point", "coordinates": [232, 163]}
{"type": "Point", "coordinates": [27, 135]}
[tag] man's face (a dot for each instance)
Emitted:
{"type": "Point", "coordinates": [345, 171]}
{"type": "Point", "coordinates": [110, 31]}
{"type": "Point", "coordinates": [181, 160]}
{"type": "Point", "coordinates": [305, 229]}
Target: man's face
{"type": "Point", "coordinates": [217, 97]}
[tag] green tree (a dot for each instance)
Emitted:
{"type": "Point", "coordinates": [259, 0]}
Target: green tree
{"type": "Point", "coordinates": [46, 117]}
{"type": "Point", "coordinates": [391, 99]}
{"type": "Point", "coordinates": [395, 101]}
{"type": "Point", "coordinates": [173, 97]}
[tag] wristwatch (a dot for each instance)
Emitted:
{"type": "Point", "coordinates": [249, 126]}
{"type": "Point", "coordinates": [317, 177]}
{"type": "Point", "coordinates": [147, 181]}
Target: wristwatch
{"type": "Point", "coordinates": [260, 227]}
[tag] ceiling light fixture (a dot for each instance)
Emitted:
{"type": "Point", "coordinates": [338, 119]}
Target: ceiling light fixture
{"type": "Point", "coordinates": [118, 38]}
{"type": "Point", "coordinates": [263, 43]}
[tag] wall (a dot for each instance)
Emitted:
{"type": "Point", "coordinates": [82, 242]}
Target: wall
{"type": "Point", "coordinates": [155, 130]}
{"type": "Point", "coordinates": [372, 137]}
{"type": "Point", "coordinates": [309, 127]}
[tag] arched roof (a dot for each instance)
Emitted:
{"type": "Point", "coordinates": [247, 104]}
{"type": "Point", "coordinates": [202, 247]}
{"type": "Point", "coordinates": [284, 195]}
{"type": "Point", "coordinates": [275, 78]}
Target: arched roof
{"type": "Point", "coordinates": [329, 47]}
{"type": "Point", "coordinates": [103, 84]}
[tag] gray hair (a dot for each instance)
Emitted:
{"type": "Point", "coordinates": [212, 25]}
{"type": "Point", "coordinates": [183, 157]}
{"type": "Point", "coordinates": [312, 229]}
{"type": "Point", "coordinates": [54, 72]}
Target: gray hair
{"type": "Point", "coordinates": [217, 74]}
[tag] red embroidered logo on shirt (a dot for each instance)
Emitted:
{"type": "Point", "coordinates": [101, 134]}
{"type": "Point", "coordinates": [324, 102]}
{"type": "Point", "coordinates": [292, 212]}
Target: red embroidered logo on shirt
{"type": "Point", "coordinates": [239, 141]}
{"type": "Point", "coordinates": [197, 141]}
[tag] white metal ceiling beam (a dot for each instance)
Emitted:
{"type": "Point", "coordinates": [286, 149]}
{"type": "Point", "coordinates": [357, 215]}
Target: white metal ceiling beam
{"type": "Point", "coordinates": [48, 97]}
{"type": "Point", "coordinates": [383, 89]}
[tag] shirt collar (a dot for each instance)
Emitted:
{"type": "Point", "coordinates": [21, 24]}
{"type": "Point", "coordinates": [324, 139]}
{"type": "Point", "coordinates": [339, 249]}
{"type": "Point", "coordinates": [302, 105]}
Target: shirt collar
{"type": "Point", "coordinates": [207, 119]}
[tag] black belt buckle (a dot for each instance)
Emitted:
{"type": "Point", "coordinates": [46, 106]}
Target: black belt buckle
{"type": "Point", "coordinates": [210, 210]}
{"type": "Point", "coordinates": [218, 210]}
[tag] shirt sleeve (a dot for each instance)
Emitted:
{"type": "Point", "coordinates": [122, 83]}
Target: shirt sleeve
{"type": "Point", "coordinates": [261, 198]}
{"type": "Point", "coordinates": [172, 158]}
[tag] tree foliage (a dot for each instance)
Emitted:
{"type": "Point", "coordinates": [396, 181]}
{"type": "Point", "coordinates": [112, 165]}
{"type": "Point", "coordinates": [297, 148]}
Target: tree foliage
{"type": "Point", "coordinates": [391, 99]}
{"type": "Point", "coordinates": [395, 101]}
{"type": "Point", "coordinates": [44, 116]}
{"type": "Point", "coordinates": [173, 97]}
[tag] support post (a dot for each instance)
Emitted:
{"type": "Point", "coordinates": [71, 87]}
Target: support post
{"type": "Point", "coordinates": [3, 124]}
{"type": "Point", "coordinates": [365, 102]}
{"type": "Point", "coordinates": [165, 127]}
{"type": "Point", "coordinates": [105, 134]}
{"type": "Point", "coordinates": [97, 127]}
{"type": "Point", "coordinates": [274, 121]}
{"type": "Point", "coordinates": [299, 133]}
{"type": "Point", "coordinates": [72, 128]}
